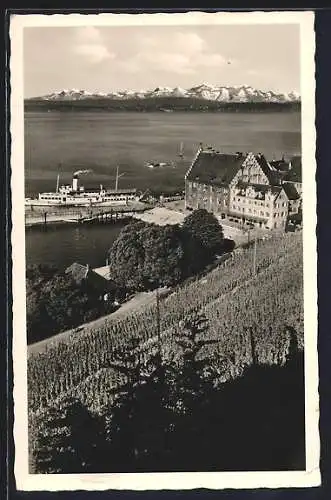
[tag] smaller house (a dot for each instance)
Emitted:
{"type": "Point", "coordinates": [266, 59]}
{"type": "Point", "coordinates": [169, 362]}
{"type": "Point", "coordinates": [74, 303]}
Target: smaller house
{"type": "Point", "coordinates": [294, 175]}
{"type": "Point", "coordinates": [282, 165]}
{"type": "Point", "coordinates": [294, 199]}
{"type": "Point", "coordinates": [85, 275]}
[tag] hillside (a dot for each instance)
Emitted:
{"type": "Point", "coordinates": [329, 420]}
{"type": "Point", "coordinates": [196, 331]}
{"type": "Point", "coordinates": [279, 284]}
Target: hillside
{"type": "Point", "coordinates": [87, 413]}
{"type": "Point", "coordinates": [161, 103]}
{"type": "Point", "coordinates": [235, 302]}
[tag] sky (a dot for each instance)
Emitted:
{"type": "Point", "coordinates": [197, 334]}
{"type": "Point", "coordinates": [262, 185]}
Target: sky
{"type": "Point", "coordinates": [107, 59]}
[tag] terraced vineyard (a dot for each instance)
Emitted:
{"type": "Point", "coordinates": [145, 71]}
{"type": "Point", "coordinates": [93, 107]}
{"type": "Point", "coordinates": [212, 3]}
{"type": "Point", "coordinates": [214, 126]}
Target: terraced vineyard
{"type": "Point", "coordinates": [239, 305]}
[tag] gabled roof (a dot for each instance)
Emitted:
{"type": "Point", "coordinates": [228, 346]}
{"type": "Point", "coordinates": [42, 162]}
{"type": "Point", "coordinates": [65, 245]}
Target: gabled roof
{"type": "Point", "coordinates": [272, 176]}
{"type": "Point", "coordinates": [77, 272]}
{"type": "Point", "coordinates": [280, 165]}
{"type": "Point", "coordinates": [295, 173]}
{"type": "Point", "coordinates": [291, 191]}
{"type": "Point", "coordinates": [104, 272]}
{"type": "Point", "coordinates": [215, 168]}
{"type": "Point", "coordinates": [80, 273]}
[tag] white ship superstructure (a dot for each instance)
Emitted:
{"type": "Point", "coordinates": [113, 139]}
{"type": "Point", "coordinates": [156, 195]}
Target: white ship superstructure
{"type": "Point", "coordinates": [76, 194]}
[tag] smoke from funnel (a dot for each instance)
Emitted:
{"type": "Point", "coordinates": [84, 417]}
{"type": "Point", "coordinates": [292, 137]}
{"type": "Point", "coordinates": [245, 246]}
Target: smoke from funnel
{"type": "Point", "coordinates": [80, 172]}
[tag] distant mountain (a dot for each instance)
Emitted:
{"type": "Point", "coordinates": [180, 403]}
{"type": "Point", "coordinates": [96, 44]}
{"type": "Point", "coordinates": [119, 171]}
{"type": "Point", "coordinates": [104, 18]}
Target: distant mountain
{"type": "Point", "coordinates": [204, 92]}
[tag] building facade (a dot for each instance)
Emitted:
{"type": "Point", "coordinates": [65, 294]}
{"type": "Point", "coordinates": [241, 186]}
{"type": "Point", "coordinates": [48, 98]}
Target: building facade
{"type": "Point", "coordinates": [243, 187]}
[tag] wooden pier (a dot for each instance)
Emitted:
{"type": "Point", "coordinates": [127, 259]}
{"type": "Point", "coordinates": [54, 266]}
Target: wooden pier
{"type": "Point", "coordinates": [84, 216]}
{"type": "Point", "coordinates": [110, 216]}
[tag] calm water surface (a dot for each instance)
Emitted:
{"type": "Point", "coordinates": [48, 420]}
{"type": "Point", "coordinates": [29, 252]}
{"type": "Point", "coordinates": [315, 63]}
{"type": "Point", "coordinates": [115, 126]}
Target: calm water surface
{"type": "Point", "coordinates": [61, 245]}
{"type": "Point", "coordinates": [63, 142]}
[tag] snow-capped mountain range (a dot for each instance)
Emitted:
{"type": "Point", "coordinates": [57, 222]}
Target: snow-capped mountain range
{"type": "Point", "coordinates": [240, 93]}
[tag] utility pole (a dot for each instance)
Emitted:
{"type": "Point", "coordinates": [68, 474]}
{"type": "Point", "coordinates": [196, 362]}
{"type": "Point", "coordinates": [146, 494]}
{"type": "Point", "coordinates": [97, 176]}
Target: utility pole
{"type": "Point", "coordinates": [254, 257]}
{"type": "Point", "coordinates": [158, 323]}
{"type": "Point", "coordinates": [58, 177]}
{"type": "Point", "coordinates": [117, 177]}
{"type": "Point", "coordinates": [253, 347]}
{"type": "Point", "coordinates": [116, 182]}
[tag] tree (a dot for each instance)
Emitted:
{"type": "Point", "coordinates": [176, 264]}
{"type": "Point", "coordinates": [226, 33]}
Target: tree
{"type": "Point", "coordinates": [65, 438]}
{"type": "Point", "coordinates": [191, 338]}
{"type": "Point", "coordinates": [205, 231]}
{"type": "Point", "coordinates": [137, 420]}
{"type": "Point", "coordinates": [147, 256]}
{"type": "Point", "coordinates": [164, 254]}
{"type": "Point", "coordinates": [127, 256]}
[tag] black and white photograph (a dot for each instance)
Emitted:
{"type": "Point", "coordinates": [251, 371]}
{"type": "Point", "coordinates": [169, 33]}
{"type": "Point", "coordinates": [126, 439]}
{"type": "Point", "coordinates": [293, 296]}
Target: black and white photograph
{"type": "Point", "coordinates": [164, 251]}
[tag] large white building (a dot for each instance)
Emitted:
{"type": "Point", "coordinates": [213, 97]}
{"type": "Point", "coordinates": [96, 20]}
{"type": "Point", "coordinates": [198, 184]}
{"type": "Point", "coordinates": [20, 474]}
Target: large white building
{"type": "Point", "coordinates": [245, 187]}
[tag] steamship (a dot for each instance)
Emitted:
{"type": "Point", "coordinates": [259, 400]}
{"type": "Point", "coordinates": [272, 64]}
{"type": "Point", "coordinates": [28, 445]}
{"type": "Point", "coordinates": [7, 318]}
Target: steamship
{"type": "Point", "coordinates": [76, 194]}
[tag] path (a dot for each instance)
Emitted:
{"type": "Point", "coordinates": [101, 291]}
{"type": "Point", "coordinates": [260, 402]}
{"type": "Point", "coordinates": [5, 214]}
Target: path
{"type": "Point", "coordinates": [140, 300]}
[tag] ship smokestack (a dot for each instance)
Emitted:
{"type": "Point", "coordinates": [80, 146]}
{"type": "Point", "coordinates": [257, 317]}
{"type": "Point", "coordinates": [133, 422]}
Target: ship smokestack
{"type": "Point", "coordinates": [75, 182]}
{"type": "Point", "coordinates": [76, 176]}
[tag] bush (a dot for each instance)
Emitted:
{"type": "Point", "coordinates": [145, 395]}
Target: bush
{"type": "Point", "coordinates": [56, 303]}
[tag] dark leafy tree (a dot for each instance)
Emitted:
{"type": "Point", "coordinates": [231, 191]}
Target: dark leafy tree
{"type": "Point", "coordinates": [146, 256]}
{"type": "Point", "coordinates": [163, 255]}
{"type": "Point", "coordinates": [205, 231]}
{"type": "Point", "coordinates": [127, 256]}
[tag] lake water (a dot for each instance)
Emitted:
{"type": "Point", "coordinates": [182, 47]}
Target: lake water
{"type": "Point", "coordinates": [61, 245]}
{"type": "Point", "coordinates": [62, 142]}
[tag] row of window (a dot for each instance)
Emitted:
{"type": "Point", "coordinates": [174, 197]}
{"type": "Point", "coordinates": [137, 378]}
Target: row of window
{"type": "Point", "coordinates": [260, 203]}
{"type": "Point", "coordinates": [251, 211]}
{"type": "Point", "coordinates": [203, 187]}
{"type": "Point", "coordinates": [254, 179]}
{"type": "Point", "coordinates": [117, 198]}
{"type": "Point", "coordinates": [50, 198]}
{"type": "Point", "coordinates": [278, 205]}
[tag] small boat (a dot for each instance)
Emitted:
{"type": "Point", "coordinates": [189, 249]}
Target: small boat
{"type": "Point", "coordinates": [181, 150]}
{"type": "Point", "coordinates": [155, 164]}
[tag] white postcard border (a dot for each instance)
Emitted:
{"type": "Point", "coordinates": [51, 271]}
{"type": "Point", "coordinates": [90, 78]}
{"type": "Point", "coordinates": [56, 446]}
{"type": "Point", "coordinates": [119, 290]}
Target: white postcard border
{"type": "Point", "coordinates": [161, 481]}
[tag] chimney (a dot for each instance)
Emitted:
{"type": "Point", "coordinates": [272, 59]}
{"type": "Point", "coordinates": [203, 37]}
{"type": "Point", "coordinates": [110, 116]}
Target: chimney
{"type": "Point", "coordinates": [75, 183]}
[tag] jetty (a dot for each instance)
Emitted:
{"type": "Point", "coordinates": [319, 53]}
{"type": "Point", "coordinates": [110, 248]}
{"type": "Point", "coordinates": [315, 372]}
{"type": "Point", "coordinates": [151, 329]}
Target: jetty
{"type": "Point", "coordinates": [81, 215]}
